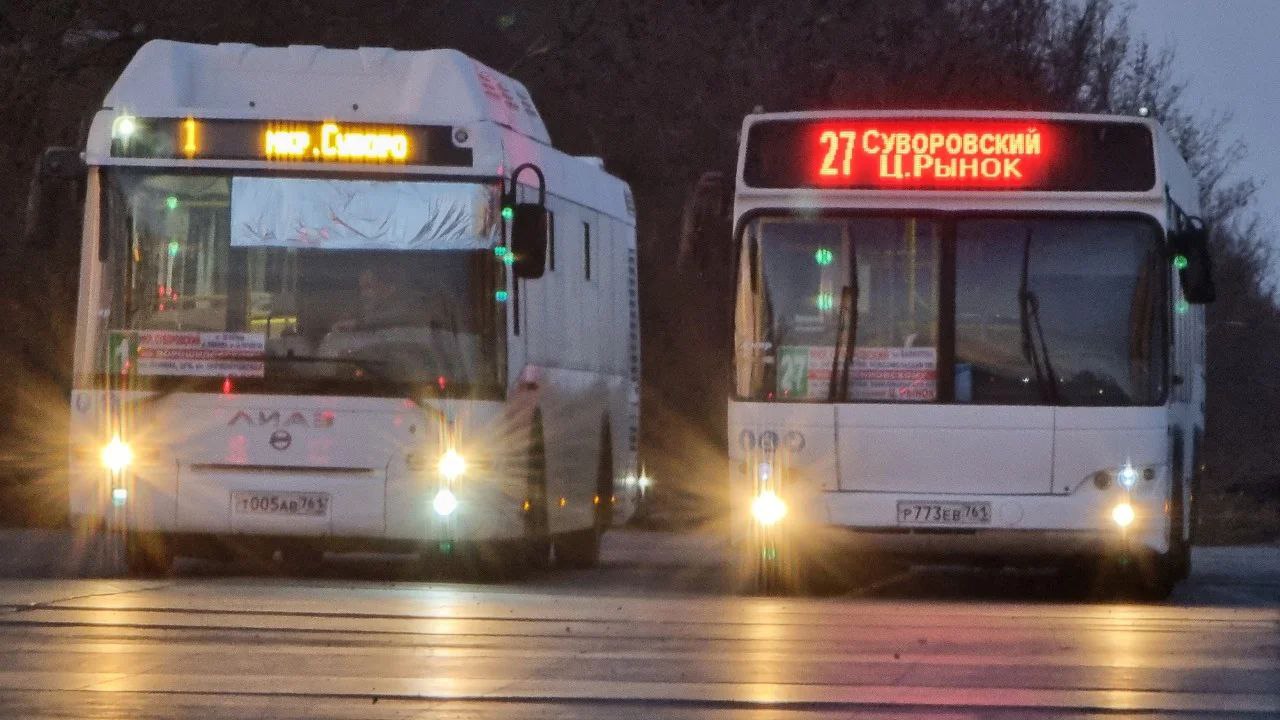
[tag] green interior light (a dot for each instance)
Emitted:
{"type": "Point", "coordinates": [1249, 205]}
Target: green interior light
{"type": "Point", "coordinates": [500, 251]}
{"type": "Point", "coordinates": [1179, 262]}
{"type": "Point", "coordinates": [825, 301]}
{"type": "Point", "coordinates": [509, 259]}
{"type": "Point", "coordinates": [171, 202]}
{"type": "Point", "coordinates": [1182, 306]}
{"type": "Point", "coordinates": [174, 247]}
{"type": "Point", "coordinates": [501, 296]}
{"type": "Point", "coordinates": [508, 213]}
{"type": "Point", "coordinates": [824, 256]}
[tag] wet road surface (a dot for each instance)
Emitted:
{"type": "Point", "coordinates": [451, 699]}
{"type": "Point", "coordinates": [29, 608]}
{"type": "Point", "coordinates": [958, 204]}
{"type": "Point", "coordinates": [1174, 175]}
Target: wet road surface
{"type": "Point", "coordinates": [651, 633]}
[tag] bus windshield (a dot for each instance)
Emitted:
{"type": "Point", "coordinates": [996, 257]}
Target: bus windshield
{"type": "Point", "coordinates": [299, 285]}
{"type": "Point", "coordinates": [1052, 310]}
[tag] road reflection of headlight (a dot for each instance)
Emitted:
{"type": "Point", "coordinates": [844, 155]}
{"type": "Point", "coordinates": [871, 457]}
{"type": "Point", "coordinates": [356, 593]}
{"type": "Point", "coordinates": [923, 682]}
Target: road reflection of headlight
{"type": "Point", "coordinates": [1122, 514]}
{"type": "Point", "coordinates": [452, 464]}
{"type": "Point", "coordinates": [445, 502]}
{"type": "Point", "coordinates": [768, 508]}
{"type": "Point", "coordinates": [116, 455]}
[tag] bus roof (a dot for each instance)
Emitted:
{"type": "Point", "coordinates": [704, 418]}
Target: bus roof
{"type": "Point", "coordinates": [305, 108]}
{"type": "Point", "coordinates": [307, 82]}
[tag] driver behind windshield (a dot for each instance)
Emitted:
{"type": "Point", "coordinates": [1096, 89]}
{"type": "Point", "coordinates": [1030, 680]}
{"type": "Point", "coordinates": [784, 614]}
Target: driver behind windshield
{"type": "Point", "coordinates": [386, 300]}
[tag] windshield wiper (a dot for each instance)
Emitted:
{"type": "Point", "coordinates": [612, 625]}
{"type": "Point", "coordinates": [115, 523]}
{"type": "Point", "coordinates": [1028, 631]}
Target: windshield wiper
{"type": "Point", "coordinates": [846, 338]}
{"type": "Point", "coordinates": [1034, 348]}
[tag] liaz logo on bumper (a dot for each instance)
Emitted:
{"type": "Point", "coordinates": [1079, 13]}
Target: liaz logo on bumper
{"type": "Point", "coordinates": [318, 420]}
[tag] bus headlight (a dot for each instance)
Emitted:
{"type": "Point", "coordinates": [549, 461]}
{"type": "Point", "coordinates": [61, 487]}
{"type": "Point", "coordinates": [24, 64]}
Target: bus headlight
{"type": "Point", "coordinates": [116, 455]}
{"type": "Point", "coordinates": [444, 503]}
{"type": "Point", "coordinates": [1127, 477]}
{"type": "Point", "coordinates": [768, 508]}
{"type": "Point", "coordinates": [1122, 514]}
{"type": "Point", "coordinates": [451, 464]}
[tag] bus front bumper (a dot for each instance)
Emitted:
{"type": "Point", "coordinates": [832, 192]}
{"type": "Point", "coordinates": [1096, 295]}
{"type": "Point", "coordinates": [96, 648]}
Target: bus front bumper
{"type": "Point", "coordinates": [1011, 526]}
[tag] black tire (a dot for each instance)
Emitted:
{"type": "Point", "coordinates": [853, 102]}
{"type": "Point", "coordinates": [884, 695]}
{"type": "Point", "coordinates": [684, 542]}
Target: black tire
{"type": "Point", "coordinates": [578, 550]}
{"type": "Point", "coordinates": [147, 554]}
{"type": "Point", "coordinates": [502, 561]}
{"type": "Point", "coordinates": [1078, 578]}
{"type": "Point", "coordinates": [1155, 576]}
{"type": "Point", "coordinates": [301, 559]}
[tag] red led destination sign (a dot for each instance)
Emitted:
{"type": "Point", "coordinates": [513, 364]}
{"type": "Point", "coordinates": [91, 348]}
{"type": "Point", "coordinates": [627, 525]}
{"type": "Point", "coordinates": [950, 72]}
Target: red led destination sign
{"type": "Point", "coordinates": [911, 154]}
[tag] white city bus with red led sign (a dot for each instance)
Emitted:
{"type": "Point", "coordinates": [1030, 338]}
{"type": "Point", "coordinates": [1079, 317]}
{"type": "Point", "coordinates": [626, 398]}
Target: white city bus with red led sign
{"type": "Point", "coordinates": [339, 299]}
{"type": "Point", "coordinates": [966, 336]}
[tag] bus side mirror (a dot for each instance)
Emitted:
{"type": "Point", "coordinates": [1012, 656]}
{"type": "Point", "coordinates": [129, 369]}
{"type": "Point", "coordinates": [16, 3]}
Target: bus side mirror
{"type": "Point", "coordinates": [529, 240]}
{"type": "Point", "coordinates": [58, 169]}
{"type": "Point", "coordinates": [705, 234]}
{"type": "Point", "coordinates": [1190, 245]}
{"type": "Point", "coordinates": [61, 163]}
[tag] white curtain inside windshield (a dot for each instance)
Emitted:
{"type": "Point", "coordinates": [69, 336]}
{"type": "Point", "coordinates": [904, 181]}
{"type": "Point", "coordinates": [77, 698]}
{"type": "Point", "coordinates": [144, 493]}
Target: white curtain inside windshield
{"type": "Point", "coordinates": [362, 214]}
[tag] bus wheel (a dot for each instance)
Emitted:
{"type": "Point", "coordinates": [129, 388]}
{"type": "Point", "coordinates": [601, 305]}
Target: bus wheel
{"type": "Point", "coordinates": [536, 545]}
{"type": "Point", "coordinates": [1141, 575]}
{"type": "Point", "coordinates": [146, 554]}
{"type": "Point", "coordinates": [1078, 577]}
{"type": "Point", "coordinates": [579, 549]}
{"type": "Point", "coordinates": [301, 559]}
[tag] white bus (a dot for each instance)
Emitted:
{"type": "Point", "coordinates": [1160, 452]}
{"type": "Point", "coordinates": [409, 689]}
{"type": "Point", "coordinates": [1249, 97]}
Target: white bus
{"type": "Point", "coordinates": [972, 336]}
{"type": "Point", "coordinates": [348, 299]}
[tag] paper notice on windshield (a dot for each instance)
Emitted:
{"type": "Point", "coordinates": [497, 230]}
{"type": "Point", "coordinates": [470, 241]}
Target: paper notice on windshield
{"type": "Point", "coordinates": [188, 353]}
{"type": "Point", "coordinates": [875, 373]}
{"type": "Point", "coordinates": [880, 373]}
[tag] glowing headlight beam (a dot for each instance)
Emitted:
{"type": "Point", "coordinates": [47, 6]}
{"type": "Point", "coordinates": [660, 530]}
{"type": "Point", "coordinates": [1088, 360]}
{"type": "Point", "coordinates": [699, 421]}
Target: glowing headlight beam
{"type": "Point", "coordinates": [452, 464]}
{"type": "Point", "coordinates": [116, 455]}
{"type": "Point", "coordinates": [444, 503]}
{"type": "Point", "coordinates": [1122, 514]}
{"type": "Point", "coordinates": [768, 508]}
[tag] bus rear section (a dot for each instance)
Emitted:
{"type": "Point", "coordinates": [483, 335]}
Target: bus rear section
{"type": "Point", "coordinates": [305, 321]}
{"type": "Point", "coordinates": [962, 344]}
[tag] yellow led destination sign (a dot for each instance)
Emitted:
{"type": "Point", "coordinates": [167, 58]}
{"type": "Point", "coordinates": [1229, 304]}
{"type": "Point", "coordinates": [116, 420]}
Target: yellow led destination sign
{"type": "Point", "coordinates": [331, 141]}
{"type": "Point", "coordinates": [286, 141]}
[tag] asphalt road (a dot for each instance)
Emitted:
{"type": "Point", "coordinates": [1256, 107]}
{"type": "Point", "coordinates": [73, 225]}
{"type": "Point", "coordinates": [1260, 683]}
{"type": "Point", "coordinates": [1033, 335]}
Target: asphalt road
{"type": "Point", "coordinates": [651, 633]}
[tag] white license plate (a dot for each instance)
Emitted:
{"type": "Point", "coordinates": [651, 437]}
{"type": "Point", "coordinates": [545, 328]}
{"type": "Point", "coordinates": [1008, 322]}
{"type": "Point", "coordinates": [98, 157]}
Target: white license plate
{"type": "Point", "coordinates": [943, 512]}
{"type": "Point", "coordinates": [280, 503]}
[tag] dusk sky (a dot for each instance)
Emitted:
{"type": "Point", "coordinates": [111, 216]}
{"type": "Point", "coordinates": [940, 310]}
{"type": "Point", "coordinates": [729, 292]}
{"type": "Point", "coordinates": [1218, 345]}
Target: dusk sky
{"type": "Point", "coordinates": [1229, 53]}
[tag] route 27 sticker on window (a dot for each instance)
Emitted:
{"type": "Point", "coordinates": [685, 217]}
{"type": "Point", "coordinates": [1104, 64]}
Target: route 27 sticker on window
{"type": "Point", "coordinates": [875, 373]}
